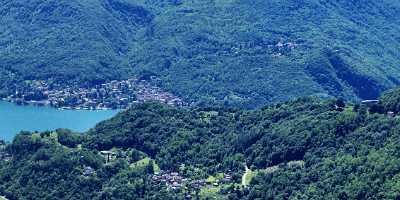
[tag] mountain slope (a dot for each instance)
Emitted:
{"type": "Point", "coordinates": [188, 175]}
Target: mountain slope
{"type": "Point", "coordinates": [235, 52]}
{"type": "Point", "coordinates": [303, 149]}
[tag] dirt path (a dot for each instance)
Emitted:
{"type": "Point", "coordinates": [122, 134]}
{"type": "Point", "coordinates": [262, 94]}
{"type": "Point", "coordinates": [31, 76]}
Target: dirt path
{"type": "Point", "coordinates": [246, 173]}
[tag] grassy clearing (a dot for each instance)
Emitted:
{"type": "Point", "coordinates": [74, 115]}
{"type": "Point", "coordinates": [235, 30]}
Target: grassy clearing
{"type": "Point", "coordinates": [144, 162]}
{"type": "Point", "coordinates": [250, 174]}
{"type": "Point", "coordinates": [211, 179]}
{"type": "Point", "coordinates": [215, 179]}
{"type": "Point", "coordinates": [210, 193]}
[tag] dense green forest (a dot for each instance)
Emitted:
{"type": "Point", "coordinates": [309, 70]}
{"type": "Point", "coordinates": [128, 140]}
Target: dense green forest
{"type": "Point", "coordinates": [302, 149]}
{"type": "Point", "coordinates": [233, 52]}
{"type": "Point", "coordinates": [272, 87]}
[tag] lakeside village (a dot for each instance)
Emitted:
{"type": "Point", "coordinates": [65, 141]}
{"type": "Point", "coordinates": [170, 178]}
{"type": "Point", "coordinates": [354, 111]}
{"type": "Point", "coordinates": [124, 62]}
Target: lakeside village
{"type": "Point", "coordinates": [111, 95]}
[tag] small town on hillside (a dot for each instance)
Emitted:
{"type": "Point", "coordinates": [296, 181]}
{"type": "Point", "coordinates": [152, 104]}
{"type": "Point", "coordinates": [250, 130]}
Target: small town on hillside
{"type": "Point", "coordinates": [116, 94]}
{"type": "Point", "coordinates": [173, 180]}
{"type": "Point", "coordinates": [275, 49]}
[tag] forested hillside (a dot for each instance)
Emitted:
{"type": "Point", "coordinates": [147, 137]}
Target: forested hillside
{"type": "Point", "coordinates": [302, 149]}
{"type": "Point", "coordinates": [233, 52]}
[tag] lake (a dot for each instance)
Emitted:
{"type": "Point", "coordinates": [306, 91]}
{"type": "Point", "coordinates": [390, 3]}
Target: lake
{"type": "Point", "coordinates": [14, 118]}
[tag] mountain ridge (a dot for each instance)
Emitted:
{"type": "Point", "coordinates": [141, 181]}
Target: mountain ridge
{"type": "Point", "coordinates": [205, 51]}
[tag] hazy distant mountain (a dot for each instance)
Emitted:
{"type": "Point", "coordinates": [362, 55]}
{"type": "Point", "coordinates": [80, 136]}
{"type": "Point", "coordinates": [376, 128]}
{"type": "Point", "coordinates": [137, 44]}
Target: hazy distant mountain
{"type": "Point", "coordinates": [236, 52]}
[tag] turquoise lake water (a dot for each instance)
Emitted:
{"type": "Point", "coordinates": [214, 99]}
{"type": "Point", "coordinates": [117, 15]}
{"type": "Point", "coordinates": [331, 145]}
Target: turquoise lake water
{"type": "Point", "coordinates": [14, 119]}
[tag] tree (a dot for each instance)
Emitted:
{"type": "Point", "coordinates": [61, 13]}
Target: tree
{"type": "Point", "coordinates": [340, 103]}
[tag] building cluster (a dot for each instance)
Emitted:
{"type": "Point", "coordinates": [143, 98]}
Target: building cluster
{"type": "Point", "coordinates": [108, 155]}
{"type": "Point", "coordinates": [4, 156]}
{"type": "Point", "coordinates": [274, 48]}
{"type": "Point", "coordinates": [282, 48]}
{"type": "Point", "coordinates": [88, 171]}
{"type": "Point", "coordinates": [374, 102]}
{"type": "Point", "coordinates": [174, 181]}
{"type": "Point", "coordinates": [227, 178]}
{"type": "Point", "coordinates": [146, 92]}
{"type": "Point", "coordinates": [112, 95]}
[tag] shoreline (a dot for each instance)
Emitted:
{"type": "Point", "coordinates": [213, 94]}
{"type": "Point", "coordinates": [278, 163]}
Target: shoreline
{"type": "Point", "coordinates": [34, 104]}
{"type": "Point", "coordinates": [16, 118]}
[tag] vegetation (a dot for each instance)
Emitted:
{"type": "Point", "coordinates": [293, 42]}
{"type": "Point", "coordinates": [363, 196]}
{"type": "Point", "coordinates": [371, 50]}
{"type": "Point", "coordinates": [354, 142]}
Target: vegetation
{"type": "Point", "coordinates": [223, 56]}
{"type": "Point", "coordinates": [144, 163]}
{"type": "Point", "coordinates": [233, 52]}
{"type": "Point", "coordinates": [302, 149]}
{"type": "Point", "coordinates": [390, 101]}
